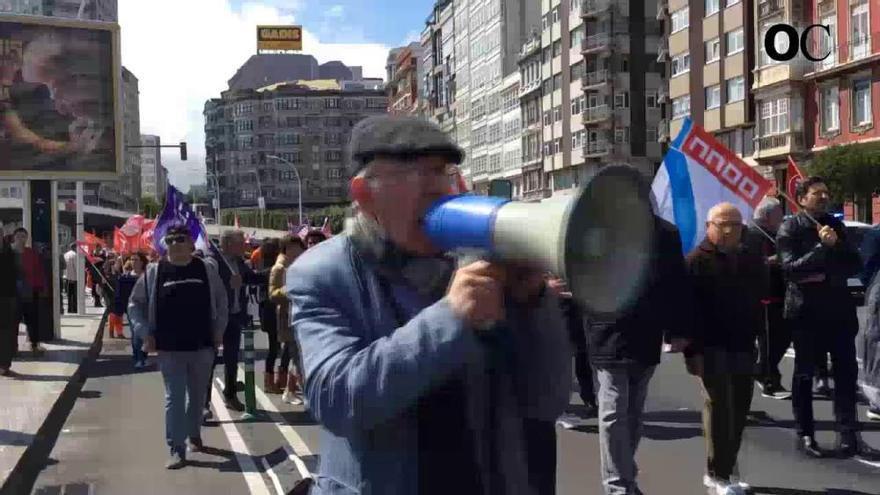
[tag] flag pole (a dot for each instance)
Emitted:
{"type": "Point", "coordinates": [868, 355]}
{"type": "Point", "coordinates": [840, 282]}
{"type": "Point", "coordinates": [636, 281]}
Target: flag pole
{"type": "Point", "coordinates": [800, 208]}
{"type": "Point", "coordinates": [762, 231]}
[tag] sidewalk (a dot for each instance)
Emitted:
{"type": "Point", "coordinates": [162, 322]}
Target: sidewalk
{"type": "Point", "coordinates": [38, 398]}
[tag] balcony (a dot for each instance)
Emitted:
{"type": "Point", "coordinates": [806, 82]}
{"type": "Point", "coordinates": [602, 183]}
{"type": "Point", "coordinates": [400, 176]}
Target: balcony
{"type": "Point", "coordinates": [595, 115]}
{"type": "Point", "coordinates": [597, 78]}
{"type": "Point", "coordinates": [596, 42]}
{"type": "Point", "coordinates": [594, 8]}
{"type": "Point", "coordinates": [663, 50]}
{"type": "Point", "coordinates": [594, 149]}
{"type": "Point", "coordinates": [663, 131]}
{"type": "Point", "coordinates": [531, 46]}
{"type": "Point", "coordinates": [529, 87]}
{"type": "Point", "coordinates": [826, 7]}
{"type": "Point", "coordinates": [857, 53]}
{"type": "Point", "coordinates": [778, 145]}
{"type": "Point", "coordinates": [767, 8]}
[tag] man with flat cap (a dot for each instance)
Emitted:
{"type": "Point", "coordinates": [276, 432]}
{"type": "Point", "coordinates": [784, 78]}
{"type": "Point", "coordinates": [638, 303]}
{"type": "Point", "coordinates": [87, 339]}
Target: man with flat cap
{"type": "Point", "coordinates": [425, 377]}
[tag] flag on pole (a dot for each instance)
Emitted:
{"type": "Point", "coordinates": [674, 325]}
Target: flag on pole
{"type": "Point", "coordinates": [794, 176]}
{"type": "Point", "coordinates": [325, 229]}
{"type": "Point", "coordinates": [178, 212]}
{"type": "Point", "coordinates": [697, 173]}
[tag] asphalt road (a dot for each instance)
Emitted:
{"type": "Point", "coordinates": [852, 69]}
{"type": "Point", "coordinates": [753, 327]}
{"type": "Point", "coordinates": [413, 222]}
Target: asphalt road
{"type": "Point", "coordinates": [113, 443]}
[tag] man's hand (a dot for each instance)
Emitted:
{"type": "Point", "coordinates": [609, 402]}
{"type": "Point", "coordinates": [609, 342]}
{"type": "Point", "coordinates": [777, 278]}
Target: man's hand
{"type": "Point", "coordinates": [150, 344]}
{"type": "Point", "coordinates": [694, 365]}
{"type": "Point", "coordinates": [827, 236]}
{"type": "Point", "coordinates": [773, 260]}
{"type": "Point", "coordinates": [679, 344]}
{"type": "Point", "coordinates": [525, 284]}
{"type": "Point", "coordinates": [559, 287]}
{"type": "Point", "coordinates": [476, 293]}
{"type": "Point", "coordinates": [235, 281]}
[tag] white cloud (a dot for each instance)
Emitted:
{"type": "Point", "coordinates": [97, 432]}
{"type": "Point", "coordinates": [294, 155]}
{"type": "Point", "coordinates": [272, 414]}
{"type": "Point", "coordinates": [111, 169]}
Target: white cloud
{"type": "Point", "coordinates": [335, 11]}
{"type": "Point", "coordinates": [412, 36]}
{"type": "Point", "coordinates": [183, 52]}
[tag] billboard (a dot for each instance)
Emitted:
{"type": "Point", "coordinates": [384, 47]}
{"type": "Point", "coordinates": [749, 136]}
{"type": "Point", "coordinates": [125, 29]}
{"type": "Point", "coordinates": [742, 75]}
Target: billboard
{"type": "Point", "coordinates": [283, 38]}
{"type": "Point", "coordinates": [60, 113]}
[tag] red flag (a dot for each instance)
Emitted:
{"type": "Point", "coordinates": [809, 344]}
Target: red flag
{"type": "Point", "coordinates": [325, 229]}
{"type": "Point", "coordinates": [794, 177]}
{"type": "Point", "coordinates": [84, 248]}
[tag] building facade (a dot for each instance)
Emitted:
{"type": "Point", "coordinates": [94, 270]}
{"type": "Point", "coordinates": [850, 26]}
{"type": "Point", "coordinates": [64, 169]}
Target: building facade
{"type": "Point", "coordinates": [154, 177]}
{"type": "Point", "coordinates": [130, 179]}
{"type": "Point", "coordinates": [403, 83]}
{"type": "Point", "coordinates": [307, 126]}
{"type": "Point", "coordinates": [533, 185]}
{"type": "Point", "coordinates": [438, 60]}
{"type": "Point", "coordinates": [709, 49]}
{"type": "Point", "coordinates": [92, 10]}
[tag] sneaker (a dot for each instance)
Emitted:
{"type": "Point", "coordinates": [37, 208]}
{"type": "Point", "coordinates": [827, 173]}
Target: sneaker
{"type": "Point", "coordinates": [718, 486]}
{"type": "Point", "coordinates": [873, 414]}
{"type": "Point", "coordinates": [291, 398]}
{"type": "Point", "coordinates": [233, 403]}
{"type": "Point", "coordinates": [139, 365]}
{"type": "Point", "coordinates": [38, 350]}
{"type": "Point", "coordinates": [823, 387]}
{"type": "Point", "coordinates": [569, 421]}
{"type": "Point", "coordinates": [177, 460]}
{"type": "Point", "coordinates": [208, 415]}
{"type": "Point", "coordinates": [774, 391]}
{"type": "Point", "coordinates": [591, 410]}
{"type": "Point", "coordinates": [195, 445]}
{"type": "Point", "coordinates": [737, 482]}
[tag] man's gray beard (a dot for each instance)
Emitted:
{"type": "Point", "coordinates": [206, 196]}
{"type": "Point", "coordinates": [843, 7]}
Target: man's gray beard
{"type": "Point", "coordinates": [428, 275]}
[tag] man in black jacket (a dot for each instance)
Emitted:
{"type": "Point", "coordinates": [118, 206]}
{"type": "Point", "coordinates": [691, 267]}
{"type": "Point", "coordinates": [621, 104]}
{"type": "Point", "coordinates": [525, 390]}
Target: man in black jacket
{"type": "Point", "coordinates": [775, 337]}
{"type": "Point", "coordinates": [817, 261]}
{"type": "Point", "coordinates": [625, 352]}
{"type": "Point", "coordinates": [236, 280]}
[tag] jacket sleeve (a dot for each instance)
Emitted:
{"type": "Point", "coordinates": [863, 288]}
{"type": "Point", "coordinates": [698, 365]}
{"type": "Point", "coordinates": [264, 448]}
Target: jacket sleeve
{"type": "Point", "coordinates": [139, 305]}
{"type": "Point", "coordinates": [219, 301]}
{"type": "Point", "coordinates": [692, 265]}
{"type": "Point", "coordinates": [796, 265]}
{"type": "Point", "coordinates": [353, 382]}
{"type": "Point", "coordinates": [678, 293]}
{"type": "Point", "coordinates": [277, 294]}
{"type": "Point", "coordinates": [542, 359]}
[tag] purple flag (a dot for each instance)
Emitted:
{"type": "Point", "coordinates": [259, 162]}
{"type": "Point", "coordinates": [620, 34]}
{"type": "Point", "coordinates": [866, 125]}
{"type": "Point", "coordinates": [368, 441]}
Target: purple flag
{"type": "Point", "coordinates": [178, 212]}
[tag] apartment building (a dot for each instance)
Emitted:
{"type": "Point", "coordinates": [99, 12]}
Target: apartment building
{"type": "Point", "coordinates": [709, 50]}
{"type": "Point", "coordinates": [438, 43]}
{"type": "Point", "coordinates": [405, 74]}
{"type": "Point", "coordinates": [496, 138]}
{"type": "Point", "coordinates": [154, 177]}
{"type": "Point", "coordinates": [603, 75]}
{"type": "Point", "coordinates": [533, 185]}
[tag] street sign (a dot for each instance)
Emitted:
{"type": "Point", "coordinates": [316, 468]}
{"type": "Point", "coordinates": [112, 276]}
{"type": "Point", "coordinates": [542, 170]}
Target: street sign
{"type": "Point", "coordinates": [215, 203]}
{"type": "Point", "coordinates": [262, 202]}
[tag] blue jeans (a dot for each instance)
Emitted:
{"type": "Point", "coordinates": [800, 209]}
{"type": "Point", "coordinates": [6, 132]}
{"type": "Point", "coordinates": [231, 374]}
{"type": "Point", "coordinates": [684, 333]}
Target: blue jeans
{"type": "Point", "coordinates": [186, 375]}
{"type": "Point", "coordinates": [622, 390]}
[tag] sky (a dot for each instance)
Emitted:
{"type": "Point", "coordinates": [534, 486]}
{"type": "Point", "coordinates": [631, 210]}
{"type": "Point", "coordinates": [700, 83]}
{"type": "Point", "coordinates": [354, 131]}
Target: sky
{"type": "Point", "coordinates": [183, 52]}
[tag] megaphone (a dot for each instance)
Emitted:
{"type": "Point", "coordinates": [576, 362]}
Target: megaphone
{"type": "Point", "coordinates": [599, 242]}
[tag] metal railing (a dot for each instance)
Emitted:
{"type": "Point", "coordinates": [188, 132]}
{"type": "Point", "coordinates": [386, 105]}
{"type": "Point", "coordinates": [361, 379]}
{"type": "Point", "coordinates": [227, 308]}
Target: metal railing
{"type": "Point", "coordinates": [861, 48]}
{"type": "Point", "coordinates": [595, 114]}
{"type": "Point", "coordinates": [600, 147]}
{"type": "Point", "coordinates": [593, 7]}
{"type": "Point", "coordinates": [769, 7]}
{"type": "Point", "coordinates": [596, 41]}
{"type": "Point", "coordinates": [763, 143]}
{"type": "Point", "coordinates": [595, 78]}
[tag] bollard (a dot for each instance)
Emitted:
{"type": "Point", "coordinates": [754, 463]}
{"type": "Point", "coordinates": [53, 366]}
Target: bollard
{"type": "Point", "coordinates": [250, 397]}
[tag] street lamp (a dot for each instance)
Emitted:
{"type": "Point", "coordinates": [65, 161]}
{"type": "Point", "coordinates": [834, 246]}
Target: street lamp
{"type": "Point", "coordinates": [260, 200]}
{"type": "Point", "coordinates": [298, 183]}
{"type": "Point", "coordinates": [216, 196]}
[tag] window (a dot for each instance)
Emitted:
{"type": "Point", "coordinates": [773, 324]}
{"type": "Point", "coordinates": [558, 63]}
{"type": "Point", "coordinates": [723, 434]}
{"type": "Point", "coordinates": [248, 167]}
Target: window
{"type": "Point", "coordinates": [860, 34]}
{"type": "Point", "coordinates": [774, 116]}
{"type": "Point", "coordinates": [621, 135]}
{"type": "Point", "coordinates": [621, 99]}
{"type": "Point", "coordinates": [577, 71]}
{"type": "Point", "coordinates": [735, 89]}
{"type": "Point", "coordinates": [713, 50]}
{"type": "Point", "coordinates": [557, 48]}
{"type": "Point", "coordinates": [681, 63]}
{"type": "Point", "coordinates": [577, 36]}
{"type": "Point", "coordinates": [651, 100]}
{"type": "Point", "coordinates": [555, 14]}
{"type": "Point", "coordinates": [830, 109]}
{"type": "Point", "coordinates": [577, 105]}
{"type": "Point", "coordinates": [681, 107]}
{"type": "Point", "coordinates": [861, 102]}
{"type": "Point", "coordinates": [557, 145]}
{"type": "Point", "coordinates": [733, 42]}
{"type": "Point", "coordinates": [713, 96]}
{"type": "Point", "coordinates": [546, 55]}
{"type": "Point", "coordinates": [651, 135]}
{"type": "Point", "coordinates": [548, 119]}
{"type": "Point", "coordinates": [557, 113]}
{"type": "Point", "coordinates": [680, 19]}
{"type": "Point", "coordinates": [577, 140]}
{"type": "Point", "coordinates": [780, 43]}
{"type": "Point", "coordinates": [728, 3]}
{"type": "Point", "coordinates": [712, 7]}
{"type": "Point", "coordinates": [557, 81]}
{"type": "Point", "coordinates": [331, 103]}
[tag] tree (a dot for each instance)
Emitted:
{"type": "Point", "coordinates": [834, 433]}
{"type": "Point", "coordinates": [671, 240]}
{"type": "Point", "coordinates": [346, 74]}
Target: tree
{"type": "Point", "coordinates": [149, 207]}
{"type": "Point", "coordinates": [851, 172]}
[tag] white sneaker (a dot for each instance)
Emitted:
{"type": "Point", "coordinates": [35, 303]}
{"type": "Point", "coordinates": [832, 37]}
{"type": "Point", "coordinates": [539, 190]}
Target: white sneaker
{"type": "Point", "coordinates": [569, 421]}
{"type": "Point", "coordinates": [289, 398]}
{"type": "Point", "coordinates": [737, 482]}
{"type": "Point", "coordinates": [719, 487]}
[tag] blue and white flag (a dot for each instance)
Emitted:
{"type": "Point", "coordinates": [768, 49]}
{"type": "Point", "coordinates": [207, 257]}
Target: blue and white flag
{"type": "Point", "coordinates": [178, 212]}
{"type": "Point", "coordinates": [698, 172]}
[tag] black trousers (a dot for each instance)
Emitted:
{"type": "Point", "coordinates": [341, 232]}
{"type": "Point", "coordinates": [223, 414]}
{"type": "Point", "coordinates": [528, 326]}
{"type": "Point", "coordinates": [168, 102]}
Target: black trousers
{"type": "Point", "coordinates": [814, 331]}
{"type": "Point", "coordinates": [541, 455]}
{"type": "Point", "coordinates": [8, 331]}
{"type": "Point", "coordinates": [773, 342]}
{"type": "Point", "coordinates": [71, 295]}
{"type": "Point", "coordinates": [269, 324]}
{"type": "Point", "coordinates": [582, 369]}
{"type": "Point", "coordinates": [28, 313]}
{"type": "Point", "coordinates": [231, 345]}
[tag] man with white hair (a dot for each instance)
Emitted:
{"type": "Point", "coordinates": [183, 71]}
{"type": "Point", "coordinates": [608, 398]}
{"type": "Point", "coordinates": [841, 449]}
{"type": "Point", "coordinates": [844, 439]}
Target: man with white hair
{"type": "Point", "coordinates": [416, 389]}
{"type": "Point", "coordinates": [775, 338]}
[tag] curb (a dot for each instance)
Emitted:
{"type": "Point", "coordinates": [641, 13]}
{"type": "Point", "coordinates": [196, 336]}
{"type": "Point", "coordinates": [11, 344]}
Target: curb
{"type": "Point", "coordinates": [24, 475]}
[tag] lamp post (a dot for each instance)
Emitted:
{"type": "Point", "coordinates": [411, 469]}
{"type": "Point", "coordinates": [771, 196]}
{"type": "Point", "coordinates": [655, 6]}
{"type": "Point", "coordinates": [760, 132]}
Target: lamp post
{"type": "Point", "coordinates": [216, 196]}
{"type": "Point", "coordinates": [298, 183]}
{"type": "Point", "coordinates": [260, 198]}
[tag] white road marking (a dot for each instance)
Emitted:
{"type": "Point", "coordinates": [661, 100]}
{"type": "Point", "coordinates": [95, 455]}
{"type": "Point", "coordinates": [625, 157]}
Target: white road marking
{"type": "Point", "coordinates": [869, 463]}
{"type": "Point", "coordinates": [294, 440]}
{"type": "Point", "coordinates": [275, 481]}
{"type": "Point", "coordinates": [252, 477]}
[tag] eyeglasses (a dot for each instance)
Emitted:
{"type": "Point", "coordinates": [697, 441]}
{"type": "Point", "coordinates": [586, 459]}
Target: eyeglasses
{"type": "Point", "coordinates": [727, 225]}
{"type": "Point", "coordinates": [417, 174]}
{"type": "Point", "coordinates": [176, 239]}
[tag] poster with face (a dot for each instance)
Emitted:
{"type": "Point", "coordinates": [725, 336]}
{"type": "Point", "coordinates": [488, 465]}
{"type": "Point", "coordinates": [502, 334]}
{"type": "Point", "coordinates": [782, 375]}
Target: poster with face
{"type": "Point", "coordinates": [58, 99]}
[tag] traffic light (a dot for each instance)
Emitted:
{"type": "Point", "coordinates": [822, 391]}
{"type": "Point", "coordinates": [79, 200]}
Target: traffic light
{"type": "Point", "coordinates": [183, 151]}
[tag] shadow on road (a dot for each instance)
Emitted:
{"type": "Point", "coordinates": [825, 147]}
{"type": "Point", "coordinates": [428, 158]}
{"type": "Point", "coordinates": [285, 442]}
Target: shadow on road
{"type": "Point", "coordinates": [228, 465]}
{"type": "Point", "coordinates": [761, 419]}
{"type": "Point", "coordinates": [757, 490]}
{"type": "Point", "coordinates": [15, 438]}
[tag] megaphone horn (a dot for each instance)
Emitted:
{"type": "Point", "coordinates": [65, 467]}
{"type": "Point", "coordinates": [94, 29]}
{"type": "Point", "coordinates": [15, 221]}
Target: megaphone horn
{"type": "Point", "coordinates": [599, 241]}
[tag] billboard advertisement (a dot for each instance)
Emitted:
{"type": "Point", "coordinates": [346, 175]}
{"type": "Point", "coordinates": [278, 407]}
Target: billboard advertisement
{"type": "Point", "coordinates": [60, 114]}
{"type": "Point", "coordinates": [281, 38]}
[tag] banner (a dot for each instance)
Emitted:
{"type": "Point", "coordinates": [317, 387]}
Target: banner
{"type": "Point", "coordinates": [697, 173]}
{"type": "Point", "coordinates": [59, 87]}
{"type": "Point", "coordinates": [178, 212]}
{"type": "Point", "coordinates": [794, 176]}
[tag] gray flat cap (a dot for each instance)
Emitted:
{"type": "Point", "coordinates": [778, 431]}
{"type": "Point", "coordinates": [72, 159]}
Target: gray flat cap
{"type": "Point", "coordinates": [397, 136]}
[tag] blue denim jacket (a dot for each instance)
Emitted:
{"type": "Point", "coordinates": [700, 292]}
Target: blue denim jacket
{"type": "Point", "coordinates": [363, 374]}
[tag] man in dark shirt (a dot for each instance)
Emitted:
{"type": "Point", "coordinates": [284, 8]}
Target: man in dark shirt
{"type": "Point", "coordinates": [179, 307]}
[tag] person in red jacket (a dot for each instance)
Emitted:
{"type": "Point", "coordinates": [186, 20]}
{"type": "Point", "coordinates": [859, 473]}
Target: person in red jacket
{"type": "Point", "coordinates": [31, 286]}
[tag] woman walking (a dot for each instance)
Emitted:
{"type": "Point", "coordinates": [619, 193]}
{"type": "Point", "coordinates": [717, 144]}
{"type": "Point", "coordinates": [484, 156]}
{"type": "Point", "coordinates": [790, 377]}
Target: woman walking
{"type": "Point", "coordinates": [268, 321]}
{"type": "Point", "coordinates": [8, 306]}
{"type": "Point", "coordinates": [113, 272]}
{"type": "Point", "coordinates": [132, 271]}
{"type": "Point", "coordinates": [291, 248]}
